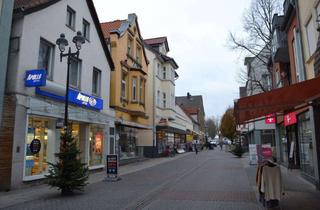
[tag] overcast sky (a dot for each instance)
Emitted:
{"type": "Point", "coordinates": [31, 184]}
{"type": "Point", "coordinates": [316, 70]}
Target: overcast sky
{"type": "Point", "coordinates": [197, 32]}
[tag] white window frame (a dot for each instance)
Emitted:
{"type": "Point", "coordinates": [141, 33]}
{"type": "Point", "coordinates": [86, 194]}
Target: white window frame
{"type": "Point", "coordinates": [86, 29]}
{"type": "Point", "coordinates": [50, 63]}
{"type": "Point", "coordinates": [124, 85]}
{"type": "Point", "coordinates": [71, 24]}
{"type": "Point", "coordinates": [134, 89]}
{"type": "Point", "coordinates": [79, 64]}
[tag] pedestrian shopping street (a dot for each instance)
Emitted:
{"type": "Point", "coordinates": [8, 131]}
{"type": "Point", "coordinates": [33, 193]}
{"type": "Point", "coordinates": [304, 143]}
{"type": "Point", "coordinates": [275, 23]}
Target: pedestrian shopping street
{"type": "Point", "coordinates": [213, 179]}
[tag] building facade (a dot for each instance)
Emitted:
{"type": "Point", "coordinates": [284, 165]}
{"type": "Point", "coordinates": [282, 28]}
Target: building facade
{"type": "Point", "coordinates": [6, 8]}
{"type": "Point", "coordinates": [129, 82]}
{"type": "Point", "coordinates": [169, 132]}
{"type": "Point", "coordinates": [193, 106]}
{"type": "Point", "coordinates": [36, 113]}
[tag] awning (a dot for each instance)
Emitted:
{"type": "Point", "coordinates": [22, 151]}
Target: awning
{"type": "Point", "coordinates": [277, 100]}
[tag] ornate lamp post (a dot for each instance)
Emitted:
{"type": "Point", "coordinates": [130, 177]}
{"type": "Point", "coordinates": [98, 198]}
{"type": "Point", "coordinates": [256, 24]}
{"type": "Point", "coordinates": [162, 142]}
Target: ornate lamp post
{"type": "Point", "coordinates": [62, 43]}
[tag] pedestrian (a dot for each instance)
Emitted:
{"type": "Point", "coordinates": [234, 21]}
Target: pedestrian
{"type": "Point", "coordinates": [220, 144]}
{"type": "Point", "coordinates": [196, 148]}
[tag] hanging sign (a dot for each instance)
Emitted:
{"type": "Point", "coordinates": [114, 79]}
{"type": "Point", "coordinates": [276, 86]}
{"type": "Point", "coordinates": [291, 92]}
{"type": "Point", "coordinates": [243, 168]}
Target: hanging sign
{"type": "Point", "coordinates": [35, 146]}
{"type": "Point", "coordinates": [35, 78]}
{"type": "Point", "coordinates": [290, 119]}
{"type": "Point", "coordinates": [270, 119]}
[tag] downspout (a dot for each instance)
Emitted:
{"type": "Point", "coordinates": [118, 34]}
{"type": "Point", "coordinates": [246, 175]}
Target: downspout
{"type": "Point", "coordinates": [154, 130]}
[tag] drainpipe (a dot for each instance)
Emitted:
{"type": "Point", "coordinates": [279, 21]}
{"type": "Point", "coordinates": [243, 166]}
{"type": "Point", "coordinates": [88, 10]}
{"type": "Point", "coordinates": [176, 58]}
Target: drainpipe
{"type": "Point", "coordinates": [154, 130]}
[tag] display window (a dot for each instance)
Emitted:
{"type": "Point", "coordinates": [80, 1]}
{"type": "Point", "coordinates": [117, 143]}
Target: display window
{"type": "Point", "coordinates": [306, 145]}
{"type": "Point", "coordinates": [36, 147]}
{"type": "Point", "coordinates": [127, 143]}
{"type": "Point", "coordinates": [96, 145]}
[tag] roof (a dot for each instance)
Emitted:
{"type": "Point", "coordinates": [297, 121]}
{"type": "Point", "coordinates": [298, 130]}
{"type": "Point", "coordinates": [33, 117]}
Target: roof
{"type": "Point", "coordinates": [191, 110]}
{"type": "Point", "coordinates": [29, 6]}
{"type": "Point", "coordinates": [162, 57]}
{"type": "Point", "coordinates": [190, 102]}
{"type": "Point", "coordinates": [25, 7]}
{"type": "Point", "coordinates": [120, 27]}
{"type": "Point", "coordinates": [158, 41]}
{"type": "Point", "coordinates": [109, 27]}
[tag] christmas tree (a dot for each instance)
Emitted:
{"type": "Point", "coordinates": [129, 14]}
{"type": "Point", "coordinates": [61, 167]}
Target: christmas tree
{"type": "Point", "coordinates": [68, 174]}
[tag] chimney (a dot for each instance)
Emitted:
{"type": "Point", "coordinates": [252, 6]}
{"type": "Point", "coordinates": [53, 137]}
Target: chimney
{"type": "Point", "coordinates": [188, 95]}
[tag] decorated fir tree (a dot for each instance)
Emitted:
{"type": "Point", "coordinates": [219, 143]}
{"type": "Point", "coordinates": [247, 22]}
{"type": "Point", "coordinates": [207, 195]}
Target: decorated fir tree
{"type": "Point", "coordinates": [68, 174]}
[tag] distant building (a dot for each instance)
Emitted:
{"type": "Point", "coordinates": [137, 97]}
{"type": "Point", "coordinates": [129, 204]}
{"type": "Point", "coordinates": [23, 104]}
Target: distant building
{"type": "Point", "coordinates": [193, 105]}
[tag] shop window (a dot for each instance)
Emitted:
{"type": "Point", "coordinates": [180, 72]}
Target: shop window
{"type": "Point", "coordinates": [96, 145]}
{"type": "Point", "coordinates": [36, 162]}
{"type": "Point", "coordinates": [71, 18]}
{"type": "Point", "coordinates": [306, 145]}
{"type": "Point", "coordinates": [127, 143]}
{"type": "Point", "coordinates": [86, 29]}
{"type": "Point", "coordinates": [45, 58]}
{"type": "Point", "coordinates": [96, 82]}
{"type": "Point", "coordinates": [75, 73]}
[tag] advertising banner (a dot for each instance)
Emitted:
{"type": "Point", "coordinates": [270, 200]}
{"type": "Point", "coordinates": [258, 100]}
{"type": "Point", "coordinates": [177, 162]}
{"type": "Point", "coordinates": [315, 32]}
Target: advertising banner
{"type": "Point", "coordinates": [112, 168]}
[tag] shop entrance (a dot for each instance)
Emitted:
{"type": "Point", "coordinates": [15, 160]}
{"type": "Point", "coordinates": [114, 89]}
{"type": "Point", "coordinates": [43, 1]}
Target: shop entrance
{"type": "Point", "coordinates": [293, 147]}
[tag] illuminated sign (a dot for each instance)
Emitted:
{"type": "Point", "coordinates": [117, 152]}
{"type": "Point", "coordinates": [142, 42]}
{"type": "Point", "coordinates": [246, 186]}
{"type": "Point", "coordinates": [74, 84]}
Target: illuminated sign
{"type": "Point", "coordinates": [35, 78]}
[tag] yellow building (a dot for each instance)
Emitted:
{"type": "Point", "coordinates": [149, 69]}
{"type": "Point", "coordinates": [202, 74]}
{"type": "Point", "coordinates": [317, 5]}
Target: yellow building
{"type": "Point", "coordinates": [308, 15]}
{"type": "Point", "coordinates": [129, 82]}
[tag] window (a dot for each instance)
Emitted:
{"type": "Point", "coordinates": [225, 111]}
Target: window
{"type": "Point", "coordinates": [124, 85]}
{"type": "Point", "coordinates": [75, 68]}
{"type": "Point", "coordinates": [45, 60]}
{"type": "Point", "coordinates": [311, 36]}
{"type": "Point", "coordinates": [96, 145]}
{"type": "Point", "coordinates": [138, 55]}
{"type": "Point", "coordinates": [130, 42]}
{"type": "Point", "coordinates": [158, 98]}
{"type": "Point", "coordinates": [298, 56]}
{"type": "Point", "coordinates": [71, 18]}
{"type": "Point", "coordinates": [158, 69]}
{"type": "Point", "coordinates": [85, 29]}
{"type": "Point", "coordinates": [164, 100]}
{"type": "Point", "coordinates": [96, 82]}
{"type": "Point", "coordinates": [134, 89]}
{"type": "Point", "coordinates": [141, 90]}
{"type": "Point", "coordinates": [164, 73]}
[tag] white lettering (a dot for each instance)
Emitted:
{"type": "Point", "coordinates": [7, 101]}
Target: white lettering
{"type": "Point", "coordinates": [34, 77]}
{"type": "Point", "coordinates": [86, 99]}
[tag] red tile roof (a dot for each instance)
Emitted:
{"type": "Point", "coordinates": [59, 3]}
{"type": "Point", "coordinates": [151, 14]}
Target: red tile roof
{"type": "Point", "coordinates": [107, 27]}
{"type": "Point", "coordinates": [155, 41]}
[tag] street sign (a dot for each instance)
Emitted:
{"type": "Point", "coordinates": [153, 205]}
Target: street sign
{"type": "Point", "coordinates": [112, 168]}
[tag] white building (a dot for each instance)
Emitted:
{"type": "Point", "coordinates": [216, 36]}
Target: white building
{"type": "Point", "coordinates": [169, 125]}
{"type": "Point", "coordinates": [39, 111]}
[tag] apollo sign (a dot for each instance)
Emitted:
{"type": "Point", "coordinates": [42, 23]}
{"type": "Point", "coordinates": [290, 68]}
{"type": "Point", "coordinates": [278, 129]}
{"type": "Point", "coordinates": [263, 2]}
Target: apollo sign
{"type": "Point", "coordinates": [35, 78]}
{"type": "Point", "coordinates": [75, 97]}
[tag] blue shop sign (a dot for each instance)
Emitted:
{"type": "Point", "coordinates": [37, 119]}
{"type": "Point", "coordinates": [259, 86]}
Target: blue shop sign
{"type": "Point", "coordinates": [75, 97]}
{"type": "Point", "coordinates": [36, 78]}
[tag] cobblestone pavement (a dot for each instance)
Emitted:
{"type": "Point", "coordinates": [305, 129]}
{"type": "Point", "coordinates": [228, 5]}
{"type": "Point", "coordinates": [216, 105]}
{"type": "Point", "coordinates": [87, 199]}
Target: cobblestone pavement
{"type": "Point", "coordinates": [209, 180]}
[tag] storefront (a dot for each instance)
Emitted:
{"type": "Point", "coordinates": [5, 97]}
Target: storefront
{"type": "Point", "coordinates": [127, 142]}
{"type": "Point", "coordinates": [170, 137]}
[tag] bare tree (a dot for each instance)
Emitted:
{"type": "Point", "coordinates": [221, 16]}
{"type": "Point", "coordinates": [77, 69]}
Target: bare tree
{"type": "Point", "coordinates": [212, 126]}
{"type": "Point", "coordinates": [256, 41]}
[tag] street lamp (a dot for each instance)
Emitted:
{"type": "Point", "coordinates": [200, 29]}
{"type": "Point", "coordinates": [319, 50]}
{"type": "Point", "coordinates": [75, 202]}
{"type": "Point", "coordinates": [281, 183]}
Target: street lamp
{"type": "Point", "coordinates": [62, 43]}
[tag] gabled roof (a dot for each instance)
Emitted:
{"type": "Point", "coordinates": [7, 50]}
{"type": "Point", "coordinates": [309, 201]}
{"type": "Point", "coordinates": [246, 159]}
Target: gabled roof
{"type": "Point", "coordinates": [190, 102]}
{"type": "Point", "coordinates": [120, 27]}
{"type": "Point", "coordinates": [25, 7]}
{"type": "Point", "coordinates": [158, 41]}
{"type": "Point", "coordinates": [109, 27]}
{"type": "Point", "coordinates": [160, 56]}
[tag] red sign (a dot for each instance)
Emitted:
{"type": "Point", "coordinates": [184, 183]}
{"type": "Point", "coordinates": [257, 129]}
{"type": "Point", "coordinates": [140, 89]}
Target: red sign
{"type": "Point", "coordinates": [290, 119]}
{"type": "Point", "coordinates": [271, 119]}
